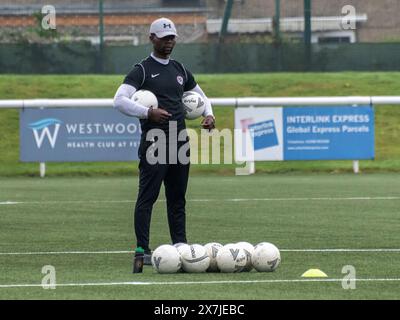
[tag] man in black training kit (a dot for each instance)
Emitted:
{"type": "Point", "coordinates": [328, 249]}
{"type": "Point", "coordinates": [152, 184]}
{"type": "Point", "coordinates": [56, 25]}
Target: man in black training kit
{"type": "Point", "coordinates": [168, 80]}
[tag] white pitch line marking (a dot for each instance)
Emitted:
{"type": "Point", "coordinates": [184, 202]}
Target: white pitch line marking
{"type": "Point", "coordinates": [127, 251]}
{"type": "Point", "coordinates": [209, 200]}
{"type": "Point", "coordinates": [341, 250]}
{"type": "Point", "coordinates": [62, 252]}
{"type": "Point", "coordinates": [139, 283]}
{"type": "Point", "coordinates": [314, 199]}
{"type": "Point", "coordinates": [66, 201]}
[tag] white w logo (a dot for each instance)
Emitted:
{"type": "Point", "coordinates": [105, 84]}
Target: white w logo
{"type": "Point", "coordinates": [44, 125]}
{"type": "Point", "coordinates": [234, 253]}
{"type": "Point", "coordinates": [157, 261]}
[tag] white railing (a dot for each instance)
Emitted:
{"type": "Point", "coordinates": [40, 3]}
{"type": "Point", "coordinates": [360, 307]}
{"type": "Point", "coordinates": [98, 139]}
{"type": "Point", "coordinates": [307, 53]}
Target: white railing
{"type": "Point", "coordinates": [236, 102]}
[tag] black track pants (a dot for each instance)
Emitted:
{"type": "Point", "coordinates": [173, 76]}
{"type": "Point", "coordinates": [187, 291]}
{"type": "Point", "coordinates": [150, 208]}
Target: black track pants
{"type": "Point", "coordinates": [151, 176]}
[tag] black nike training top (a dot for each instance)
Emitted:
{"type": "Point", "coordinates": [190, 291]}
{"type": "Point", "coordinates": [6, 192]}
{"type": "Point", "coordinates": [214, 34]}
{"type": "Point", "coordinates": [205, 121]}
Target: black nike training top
{"type": "Point", "coordinates": [168, 82]}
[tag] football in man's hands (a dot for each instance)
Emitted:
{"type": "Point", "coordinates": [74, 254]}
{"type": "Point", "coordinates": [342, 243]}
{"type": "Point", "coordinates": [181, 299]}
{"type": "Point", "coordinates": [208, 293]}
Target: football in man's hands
{"type": "Point", "coordinates": [146, 98]}
{"type": "Point", "coordinates": [194, 104]}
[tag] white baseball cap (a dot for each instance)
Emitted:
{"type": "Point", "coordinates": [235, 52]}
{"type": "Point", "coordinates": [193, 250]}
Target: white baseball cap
{"type": "Point", "coordinates": [163, 27]}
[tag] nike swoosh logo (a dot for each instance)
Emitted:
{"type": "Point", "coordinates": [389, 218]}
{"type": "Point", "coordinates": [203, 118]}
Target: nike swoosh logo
{"type": "Point", "coordinates": [155, 75]}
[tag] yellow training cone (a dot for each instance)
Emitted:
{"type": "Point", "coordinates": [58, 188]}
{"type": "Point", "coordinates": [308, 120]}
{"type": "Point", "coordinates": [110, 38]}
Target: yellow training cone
{"type": "Point", "coordinates": [314, 273]}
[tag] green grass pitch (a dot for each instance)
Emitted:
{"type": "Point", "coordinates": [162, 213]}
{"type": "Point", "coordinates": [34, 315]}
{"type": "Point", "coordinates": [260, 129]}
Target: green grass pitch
{"type": "Point", "coordinates": [94, 216]}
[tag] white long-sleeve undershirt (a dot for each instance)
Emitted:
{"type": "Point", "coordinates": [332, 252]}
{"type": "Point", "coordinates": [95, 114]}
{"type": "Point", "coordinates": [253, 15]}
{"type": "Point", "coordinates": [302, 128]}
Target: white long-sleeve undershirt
{"type": "Point", "coordinates": [124, 103]}
{"type": "Point", "coordinates": [208, 108]}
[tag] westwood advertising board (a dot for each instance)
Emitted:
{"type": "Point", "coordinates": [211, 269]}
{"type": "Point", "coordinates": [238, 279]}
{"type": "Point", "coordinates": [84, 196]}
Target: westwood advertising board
{"type": "Point", "coordinates": [77, 134]}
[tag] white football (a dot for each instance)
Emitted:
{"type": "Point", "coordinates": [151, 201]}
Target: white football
{"type": "Point", "coordinates": [195, 258]}
{"type": "Point", "coordinates": [181, 247]}
{"type": "Point", "coordinates": [146, 98]}
{"type": "Point", "coordinates": [248, 249]}
{"type": "Point", "coordinates": [166, 259]}
{"type": "Point", "coordinates": [212, 250]}
{"type": "Point", "coordinates": [231, 258]}
{"type": "Point", "coordinates": [194, 104]}
{"type": "Point", "coordinates": [266, 257]}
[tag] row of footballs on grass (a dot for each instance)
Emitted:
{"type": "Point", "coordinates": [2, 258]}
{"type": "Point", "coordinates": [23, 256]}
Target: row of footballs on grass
{"type": "Point", "coordinates": [215, 257]}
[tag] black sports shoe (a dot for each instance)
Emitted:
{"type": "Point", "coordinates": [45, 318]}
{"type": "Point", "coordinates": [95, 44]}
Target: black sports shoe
{"type": "Point", "coordinates": [147, 258]}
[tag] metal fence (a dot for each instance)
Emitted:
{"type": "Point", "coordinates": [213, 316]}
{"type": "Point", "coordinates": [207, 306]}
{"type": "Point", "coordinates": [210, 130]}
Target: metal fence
{"type": "Point", "coordinates": [83, 58]}
{"type": "Point", "coordinates": [104, 36]}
